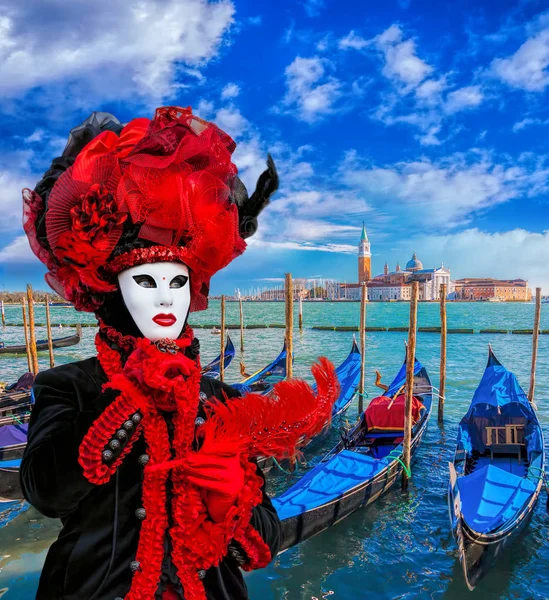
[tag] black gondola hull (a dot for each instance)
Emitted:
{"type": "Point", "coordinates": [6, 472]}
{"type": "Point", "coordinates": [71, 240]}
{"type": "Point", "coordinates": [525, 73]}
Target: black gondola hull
{"type": "Point", "coordinates": [307, 524]}
{"type": "Point", "coordinates": [478, 552]}
{"type": "Point", "coordinates": [42, 345]}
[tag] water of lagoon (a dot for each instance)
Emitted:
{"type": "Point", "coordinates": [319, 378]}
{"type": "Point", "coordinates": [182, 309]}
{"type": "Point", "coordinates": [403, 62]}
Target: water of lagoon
{"type": "Point", "coordinates": [401, 547]}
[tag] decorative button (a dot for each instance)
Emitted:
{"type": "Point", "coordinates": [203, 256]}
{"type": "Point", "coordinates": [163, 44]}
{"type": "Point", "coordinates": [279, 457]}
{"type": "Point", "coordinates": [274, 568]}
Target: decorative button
{"type": "Point", "coordinates": [128, 425]}
{"type": "Point", "coordinates": [107, 456]}
{"type": "Point", "coordinates": [199, 421]}
{"type": "Point", "coordinates": [201, 574]}
{"type": "Point", "coordinates": [114, 445]}
{"type": "Point", "coordinates": [136, 418]}
{"type": "Point", "coordinates": [202, 396]}
{"type": "Point", "coordinates": [140, 513]}
{"type": "Point", "coordinates": [122, 435]}
{"type": "Point", "coordinates": [135, 565]}
{"type": "Point", "coordinates": [143, 459]}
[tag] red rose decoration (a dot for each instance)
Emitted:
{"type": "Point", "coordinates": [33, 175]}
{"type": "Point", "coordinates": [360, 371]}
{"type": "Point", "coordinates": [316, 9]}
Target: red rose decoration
{"type": "Point", "coordinates": [95, 218]}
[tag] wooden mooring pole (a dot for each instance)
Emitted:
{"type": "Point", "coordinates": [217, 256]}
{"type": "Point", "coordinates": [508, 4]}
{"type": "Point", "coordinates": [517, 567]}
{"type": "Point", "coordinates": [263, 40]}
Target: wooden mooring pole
{"type": "Point", "coordinates": [410, 363]}
{"type": "Point", "coordinates": [241, 326]}
{"type": "Point", "coordinates": [443, 340]}
{"type": "Point", "coordinates": [222, 365]}
{"type": "Point", "coordinates": [26, 328]}
{"type": "Point", "coordinates": [289, 289]}
{"type": "Point", "coordinates": [300, 313]}
{"type": "Point", "coordinates": [3, 315]}
{"type": "Point", "coordinates": [535, 339]}
{"type": "Point", "coordinates": [362, 327]}
{"type": "Point", "coordinates": [32, 334]}
{"type": "Point", "coordinates": [48, 327]}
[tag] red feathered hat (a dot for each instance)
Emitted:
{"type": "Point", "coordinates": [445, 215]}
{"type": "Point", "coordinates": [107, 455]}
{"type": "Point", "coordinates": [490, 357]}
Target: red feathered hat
{"type": "Point", "coordinates": [154, 190]}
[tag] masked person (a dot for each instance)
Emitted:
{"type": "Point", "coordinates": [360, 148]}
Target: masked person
{"type": "Point", "coordinates": [150, 466]}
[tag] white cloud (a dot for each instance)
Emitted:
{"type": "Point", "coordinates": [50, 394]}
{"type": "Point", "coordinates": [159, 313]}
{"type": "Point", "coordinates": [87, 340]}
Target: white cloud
{"type": "Point", "coordinates": [401, 62]}
{"type": "Point", "coordinates": [16, 176]}
{"type": "Point", "coordinates": [125, 47]}
{"type": "Point", "coordinates": [445, 193]}
{"type": "Point", "coordinates": [17, 252]}
{"type": "Point", "coordinates": [306, 246]}
{"type": "Point", "coordinates": [353, 40]}
{"type": "Point", "coordinates": [463, 99]}
{"type": "Point", "coordinates": [310, 230]}
{"type": "Point", "coordinates": [231, 90]}
{"type": "Point", "coordinates": [417, 96]}
{"type": "Point", "coordinates": [311, 93]}
{"type": "Point", "coordinates": [528, 68]}
{"type": "Point", "coordinates": [313, 8]}
{"type": "Point", "coordinates": [429, 93]}
{"type": "Point", "coordinates": [528, 122]}
{"type": "Point", "coordinates": [526, 254]}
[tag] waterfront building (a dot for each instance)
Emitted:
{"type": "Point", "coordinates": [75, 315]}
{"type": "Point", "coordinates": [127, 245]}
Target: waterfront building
{"type": "Point", "coordinates": [509, 290]}
{"type": "Point", "coordinates": [396, 285]}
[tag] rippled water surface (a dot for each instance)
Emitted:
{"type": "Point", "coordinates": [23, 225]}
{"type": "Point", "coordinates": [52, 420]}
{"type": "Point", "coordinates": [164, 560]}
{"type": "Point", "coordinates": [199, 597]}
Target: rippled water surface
{"type": "Point", "coordinates": [401, 547]}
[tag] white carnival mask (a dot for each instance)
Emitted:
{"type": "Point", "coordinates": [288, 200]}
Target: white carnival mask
{"type": "Point", "coordinates": [158, 297]}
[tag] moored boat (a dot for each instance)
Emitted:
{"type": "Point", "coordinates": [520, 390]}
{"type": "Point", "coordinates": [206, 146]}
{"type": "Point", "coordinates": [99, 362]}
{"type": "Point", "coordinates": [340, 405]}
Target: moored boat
{"type": "Point", "coordinates": [262, 381]}
{"type": "Point", "coordinates": [213, 369]}
{"type": "Point", "coordinates": [497, 473]}
{"type": "Point", "coordinates": [362, 467]}
{"type": "Point", "coordinates": [13, 439]}
{"type": "Point", "coordinates": [63, 342]}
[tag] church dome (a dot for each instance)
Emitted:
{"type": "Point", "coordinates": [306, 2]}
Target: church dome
{"type": "Point", "coordinates": [414, 264]}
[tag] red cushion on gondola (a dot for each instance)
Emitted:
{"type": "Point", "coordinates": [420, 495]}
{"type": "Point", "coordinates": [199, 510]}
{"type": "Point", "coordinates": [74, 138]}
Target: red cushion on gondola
{"type": "Point", "coordinates": [379, 417]}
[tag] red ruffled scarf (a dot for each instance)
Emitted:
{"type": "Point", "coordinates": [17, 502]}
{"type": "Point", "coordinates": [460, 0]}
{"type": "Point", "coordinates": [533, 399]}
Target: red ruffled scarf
{"type": "Point", "coordinates": [160, 377]}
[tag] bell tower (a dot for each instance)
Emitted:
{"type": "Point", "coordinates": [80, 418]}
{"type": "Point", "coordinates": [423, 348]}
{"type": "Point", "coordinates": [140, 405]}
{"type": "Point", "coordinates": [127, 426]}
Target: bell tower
{"type": "Point", "coordinates": [364, 258]}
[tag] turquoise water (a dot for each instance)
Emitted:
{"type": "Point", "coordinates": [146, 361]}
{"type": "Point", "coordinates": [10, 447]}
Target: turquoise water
{"type": "Point", "coordinates": [401, 547]}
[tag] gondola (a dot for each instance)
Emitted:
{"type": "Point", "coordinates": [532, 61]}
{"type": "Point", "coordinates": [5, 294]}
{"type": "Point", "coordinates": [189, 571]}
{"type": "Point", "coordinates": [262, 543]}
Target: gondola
{"type": "Point", "coordinates": [63, 342]}
{"type": "Point", "coordinates": [213, 369]}
{"type": "Point", "coordinates": [497, 473]}
{"type": "Point", "coordinates": [13, 439]}
{"type": "Point", "coordinates": [262, 381]}
{"type": "Point", "coordinates": [362, 467]}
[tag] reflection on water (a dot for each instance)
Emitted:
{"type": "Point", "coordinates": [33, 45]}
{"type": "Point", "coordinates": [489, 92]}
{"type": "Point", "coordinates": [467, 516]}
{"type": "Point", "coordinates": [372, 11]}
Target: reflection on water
{"type": "Point", "coordinates": [401, 547]}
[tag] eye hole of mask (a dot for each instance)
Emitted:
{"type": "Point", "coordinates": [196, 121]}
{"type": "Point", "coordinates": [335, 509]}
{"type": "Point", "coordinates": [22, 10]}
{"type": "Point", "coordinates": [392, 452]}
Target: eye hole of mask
{"type": "Point", "coordinates": [145, 281]}
{"type": "Point", "coordinates": [179, 281]}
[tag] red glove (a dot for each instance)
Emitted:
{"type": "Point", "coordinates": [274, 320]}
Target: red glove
{"type": "Point", "coordinates": [221, 478]}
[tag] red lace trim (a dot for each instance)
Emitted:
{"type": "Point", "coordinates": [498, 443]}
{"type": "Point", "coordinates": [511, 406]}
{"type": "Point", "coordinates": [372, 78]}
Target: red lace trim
{"type": "Point", "coordinates": [257, 551]}
{"type": "Point", "coordinates": [125, 342]}
{"type": "Point", "coordinates": [104, 429]}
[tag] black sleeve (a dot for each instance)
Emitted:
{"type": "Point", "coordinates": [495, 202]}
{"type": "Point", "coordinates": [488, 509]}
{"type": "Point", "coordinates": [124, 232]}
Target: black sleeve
{"type": "Point", "coordinates": [266, 522]}
{"type": "Point", "coordinates": [51, 477]}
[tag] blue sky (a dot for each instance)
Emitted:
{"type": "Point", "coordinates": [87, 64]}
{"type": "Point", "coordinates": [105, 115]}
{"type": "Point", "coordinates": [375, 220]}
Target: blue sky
{"type": "Point", "coordinates": [428, 121]}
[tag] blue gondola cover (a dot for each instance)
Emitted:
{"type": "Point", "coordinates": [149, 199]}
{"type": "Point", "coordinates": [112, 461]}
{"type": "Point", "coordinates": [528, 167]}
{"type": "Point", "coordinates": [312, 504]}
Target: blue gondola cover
{"type": "Point", "coordinates": [326, 482]}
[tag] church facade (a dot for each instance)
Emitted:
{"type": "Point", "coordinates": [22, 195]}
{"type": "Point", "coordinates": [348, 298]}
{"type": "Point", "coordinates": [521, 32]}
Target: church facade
{"type": "Point", "coordinates": [395, 285]}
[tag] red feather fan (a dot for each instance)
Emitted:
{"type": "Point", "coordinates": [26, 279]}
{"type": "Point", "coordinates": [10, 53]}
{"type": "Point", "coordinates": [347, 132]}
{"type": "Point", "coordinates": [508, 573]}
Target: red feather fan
{"type": "Point", "coordinates": [274, 425]}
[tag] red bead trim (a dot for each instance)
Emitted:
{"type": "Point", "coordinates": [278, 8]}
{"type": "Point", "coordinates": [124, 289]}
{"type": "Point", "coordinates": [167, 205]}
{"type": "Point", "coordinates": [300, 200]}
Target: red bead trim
{"type": "Point", "coordinates": [141, 256]}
